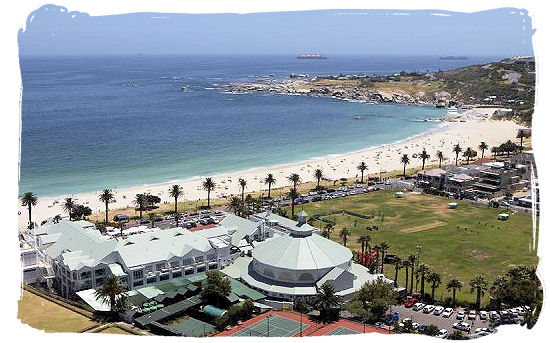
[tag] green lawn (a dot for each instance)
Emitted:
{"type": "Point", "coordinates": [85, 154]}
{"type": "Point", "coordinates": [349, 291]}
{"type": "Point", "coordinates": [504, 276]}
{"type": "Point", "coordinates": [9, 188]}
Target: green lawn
{"type": "Point", "coordinates": [458, 243]}
{"type": "Point", "coordinates": [45, 315]}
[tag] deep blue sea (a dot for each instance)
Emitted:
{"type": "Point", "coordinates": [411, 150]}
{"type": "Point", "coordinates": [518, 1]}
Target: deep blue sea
{"type": "Point", "coordinates": [90, 123]}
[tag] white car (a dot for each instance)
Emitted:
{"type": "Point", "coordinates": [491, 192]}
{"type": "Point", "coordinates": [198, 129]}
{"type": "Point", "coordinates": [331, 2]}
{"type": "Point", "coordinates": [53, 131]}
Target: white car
{"type": "Point", "coordinates": [460, 315]}
{"type": "Point", "coordinates": [428, 308]}
{"type": "Point", "coordinates": [447, 312]}
{"type": "Point", "coordinates": [462, 326]}
{"type": "Point", "coordinates": [493, 315]}
{"type": "Point", "coordinates": [418, 306]}
{"type": "Point", "coordinates": [442, 333]}
{"type": "Point", "coordinates": [482, 315]}
{"type": "Point", "coordinates": [483, 331]}
{"type": "Point", "coordinates": [521, 311]}
{"type": "Point", "coordinates": [438, 310]}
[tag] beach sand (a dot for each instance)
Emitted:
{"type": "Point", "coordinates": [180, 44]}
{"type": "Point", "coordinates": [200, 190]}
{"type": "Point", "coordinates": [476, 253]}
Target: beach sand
{"type": "Point", "coordinates": [467, 129]}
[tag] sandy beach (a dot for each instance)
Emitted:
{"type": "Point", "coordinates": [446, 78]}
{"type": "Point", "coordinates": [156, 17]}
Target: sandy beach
{"type": "Point", "coordinates": [467, 129]}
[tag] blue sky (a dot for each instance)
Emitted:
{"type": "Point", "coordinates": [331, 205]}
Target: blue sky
{"type": "Point", "coordinates": [53, 30]}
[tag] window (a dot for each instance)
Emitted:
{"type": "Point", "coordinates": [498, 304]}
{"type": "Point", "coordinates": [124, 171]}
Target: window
{"type": "Point", "coordinates": [306, 277]}
{"type": "Point", "coordinates": [187, 261]}
{"type": "Point", "coordinates": [285, 276]}
{"type": "Point", "coordinates": [99, 272]}
{"type": "Point", "coordinates": [138, 274]}
{"type": "Point", "coordinates": [199, 258]}
{"type": "Point", "coordinates": [86, 275]}
{"type": "Point", "coordinates": [164, 277]}
{"type": "Point", "coordinates": [211, 257]}
{"type": "Point", "coordinates": [138, 283]}
{"type": "Point", "coordinates": [189, 271]}
{"type": "Point", "coordinates": [213, 266]}
{"type": "Point", "coordinates": [176, 274]}
{"type": "Point", "coordinates": [99, 282]}
{"type": "Point", "coordinates": [201, 269]}
{"type": "Point", "coordinates": [268, 272]}
{"type": "Point", "coordinates": [160, 266]}
{"type": "Point", "coordinates": [175, 264]}
{"type": "Point", "coordinates": [151, 280]}
{"type": "Point", "coordinates": [149, 269]}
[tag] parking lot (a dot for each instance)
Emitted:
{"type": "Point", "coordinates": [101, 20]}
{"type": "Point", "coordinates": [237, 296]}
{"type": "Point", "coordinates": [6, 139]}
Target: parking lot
{"type": "Point", "coordinates": [442, 323]}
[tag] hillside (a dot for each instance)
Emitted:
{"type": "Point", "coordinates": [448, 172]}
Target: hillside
{"type": "Point", "coordinates": [509, 83]}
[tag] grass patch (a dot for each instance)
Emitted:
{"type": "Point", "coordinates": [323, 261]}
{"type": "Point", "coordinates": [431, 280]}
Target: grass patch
{"type": "Point", "coordinates": [46, 315]}
{"type": "Point", "coordinates": [457, 243]}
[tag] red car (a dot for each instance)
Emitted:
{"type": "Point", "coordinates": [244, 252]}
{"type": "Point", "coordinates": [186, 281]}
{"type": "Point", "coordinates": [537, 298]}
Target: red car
{"type": "Point", "coordinates": [411, 302]}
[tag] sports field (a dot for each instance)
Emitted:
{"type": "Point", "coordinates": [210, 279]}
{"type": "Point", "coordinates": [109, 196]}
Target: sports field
{"type": "Point", "coordinates": [343, 331]}
{"type": "Point", "coordinates": [272, 326]}
{"type": "Point", "coordinates": [45, 315]}
{"type": "Point", "coordinates": [457, 243]}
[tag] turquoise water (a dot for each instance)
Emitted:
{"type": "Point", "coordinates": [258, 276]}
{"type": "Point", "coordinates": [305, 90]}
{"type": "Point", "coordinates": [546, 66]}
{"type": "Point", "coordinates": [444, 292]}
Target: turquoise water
{"type": "Point", "coordinates": [94, 122]}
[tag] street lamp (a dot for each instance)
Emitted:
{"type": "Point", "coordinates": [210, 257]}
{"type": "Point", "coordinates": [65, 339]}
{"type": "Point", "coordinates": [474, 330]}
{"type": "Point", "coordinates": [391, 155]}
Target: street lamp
{"type": "Point", "coordinates": [268, 325]}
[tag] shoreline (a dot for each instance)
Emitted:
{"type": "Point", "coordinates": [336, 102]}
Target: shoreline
{"type": "Point", "coordinates": [382, 158]}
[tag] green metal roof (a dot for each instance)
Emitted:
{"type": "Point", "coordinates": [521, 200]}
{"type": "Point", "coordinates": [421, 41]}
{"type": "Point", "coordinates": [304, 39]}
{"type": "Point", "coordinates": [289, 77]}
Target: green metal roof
{"type": "Point", "coordinates": [244, 291]}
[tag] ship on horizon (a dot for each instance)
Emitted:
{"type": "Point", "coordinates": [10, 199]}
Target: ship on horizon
{"type": "Point", "coordinates": [453, 57]}
{"type": "Point", "coordinates": [312, 57]}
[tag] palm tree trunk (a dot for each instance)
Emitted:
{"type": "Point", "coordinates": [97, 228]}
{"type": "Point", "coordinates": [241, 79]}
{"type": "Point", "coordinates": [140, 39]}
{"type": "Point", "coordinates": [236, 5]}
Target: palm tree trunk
{"type": "Point", "coordinates": [454, 295]}
{"type": "Point", "coordinates": [269, 191]}
{"type": "Point", "coordinates": [406, 279]}
{"type": "Point", "coordinates": [478, 298]}
{"type": "Point", "coordinates": [433, 292]}
{"type": "Point", "coordinates": [439, 163]}
{"type": "Point", "coordinates": [404, 166]}
{"type": "Point", "coordinates": [208, 198]}
{"type": "Point", "coordinates": [362, 176]}
{"type": "Point", "coordinates": [412, 275]}
{"type": "Point", "coordinates": [106, 212]}
{"type": "Point", "coordinates": [456, 159]}
{"type": "Point", "coordinates": [30, 215]}
{"type": "Point", "coordinates": [395, 278]}
{"type": "Point", "coordinates": [176, 206]}
{"type": "Point", "coordinates": [423, 163]}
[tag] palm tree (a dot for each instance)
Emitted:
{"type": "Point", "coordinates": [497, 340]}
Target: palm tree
{"type": "Point", "coordinates": [479, 285]}
{"type": "Point", "coordinates": [208, 185]}
{"type": "Point", "coordinates": [383, 248]}
{"type": "Point", "coordinates": [435, 280]}
{"type": "Point", "coordinates": [483, 146]}
{"type": "Point", "coordinates": [295, 179]}
{"type": "Point", "coordinates": [469, 153]}
{"type": "Point", "coordinates": [29, 200]}
{"type": "Point", "coordinates": [328, 230]}
{"type": "Point", "coordinates": [175, 192]}
{"type": "Point", "coordinates": [494, 151]}
{"type": "Point", "coordinates": [344, 235]}
{"type": "Point", "coordinates": [405, 160]}
{"type": "Point", "coordinates": [68, 207]}
{"type": "Point", "coordinates": [293, 194]}
{"type": "Point", "coordinates": [109, 291]}
{"type": "Point", "coordinates": [106, 196]}
{"type": "Point", "coordinates": [457, 150]}
{"type": "Point", "coordinates": [362, 239]}
{"type": "Point", "coordinates": [406, 264]}
{"type": "Point", "coordinates": [235, 204]}
{"type": "Point", "coordinates": [152, 216]}
{"type": "Point", "coordinates": [242, 183]}
{"type": "Point", "coordinates": [325, 300]}
{"type": "Point", "coordinates": [454, 285]}
{"type": "Point", "coordinates": [412, 261]}
{"type": "Point", "coordinates": [57, 218]}
{"type": "Point", "coordinates": [141, 203]}
{"type": "Point", "coordinates": [362, 167]}
{"type": "Point", "coordinates": [522, 134]}
{"type": "Point", "coordinates": [423, 156]}
{"type": "Point", "coordinates": [398, 264]}
{"type": "Point", "coordinates": [269, 180]}
{"type": "Point", "coordinates": [318, 174]}
{"type": "Point", "coordinates": [439, 157]}
{"type": "Point", "coordinates": [422, 271]}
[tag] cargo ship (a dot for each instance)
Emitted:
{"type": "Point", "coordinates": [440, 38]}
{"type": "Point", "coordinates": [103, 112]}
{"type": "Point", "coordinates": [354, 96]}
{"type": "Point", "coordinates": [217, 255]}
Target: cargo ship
{"type": "Point", "coordinates": [312, 57]}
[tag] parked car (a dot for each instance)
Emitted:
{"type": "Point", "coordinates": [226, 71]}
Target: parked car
{"type": "Point", "coordinates": [472, 315]}
{"type": "Point", "coordinates": [144, 221]}
{"type": "Point", "coordinates": [494, 315]}
{"type": "Point", "coordinates": [203, 221]}
{"type": "Point", "coordinates": [521, 311]}
{"type": "Point", "coordinates": [438, 310]}
{"type": "Point", "coordinates": [442, 334]}
{"type": "Point", "coordinates": [447, 312]}
{"type": "Point", "coordinates": [463, 326]}
{"type": "Point", "coordinates": [482, 315]}
{"type": "Point", "coordinates": [428, 308]}
{"type": "Point", "coordinates": [483, 331]}
{"type": "Point", "coordinates": [410, 302]}
{"type": "Point", "coordinates": [460, 315]}
{"type": "Point", "coordinates": [119, 217]}
{"type": "Point", "coordinates": [418, 306]}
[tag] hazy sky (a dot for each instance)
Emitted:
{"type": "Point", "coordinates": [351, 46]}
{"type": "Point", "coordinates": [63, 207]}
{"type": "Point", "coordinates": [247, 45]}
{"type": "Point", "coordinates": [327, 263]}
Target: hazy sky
{"type": "Point", "coordinates": [53, 30]}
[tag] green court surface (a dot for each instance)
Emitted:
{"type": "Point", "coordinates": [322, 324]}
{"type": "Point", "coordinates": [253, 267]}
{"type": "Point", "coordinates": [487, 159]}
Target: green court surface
{"type": "Point", "coordinates": [192, 327]}
{"type": "Point", "coordinates": [343, 331]}
{"type": "Point", "coordinates": [277, 327]}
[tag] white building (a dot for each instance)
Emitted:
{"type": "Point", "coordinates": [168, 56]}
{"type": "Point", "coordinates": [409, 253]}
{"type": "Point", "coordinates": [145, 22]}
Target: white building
{"type": "Point", "coordinates": [297, 261]}
{"type": "Point", "coordinates": [80, 256]}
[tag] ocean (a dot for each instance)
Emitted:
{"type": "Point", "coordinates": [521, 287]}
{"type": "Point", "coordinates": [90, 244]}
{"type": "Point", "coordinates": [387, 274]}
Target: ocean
{"type": "Point", "coordinates": [94, 122]}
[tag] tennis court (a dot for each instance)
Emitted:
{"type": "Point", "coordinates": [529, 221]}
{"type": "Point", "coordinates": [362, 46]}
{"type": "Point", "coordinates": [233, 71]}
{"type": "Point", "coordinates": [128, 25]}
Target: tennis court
{"type": "Point", "coordinates": [343, 331]}
{"type": "Point", "coordinates": [272, 326]}
{"type": "Point", "coordinates": [192, 327]}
